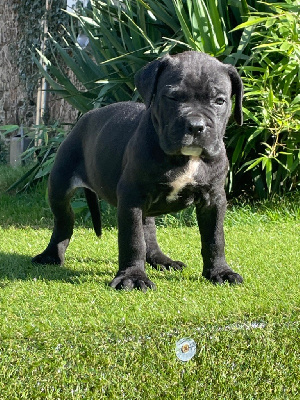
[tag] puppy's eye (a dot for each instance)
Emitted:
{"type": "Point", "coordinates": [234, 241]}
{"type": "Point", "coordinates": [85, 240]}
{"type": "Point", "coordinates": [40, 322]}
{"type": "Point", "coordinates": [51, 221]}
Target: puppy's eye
{"type": "Point", "coordinates": [220, 101]}
{"type": "Point", "coordinates": [170, 97]}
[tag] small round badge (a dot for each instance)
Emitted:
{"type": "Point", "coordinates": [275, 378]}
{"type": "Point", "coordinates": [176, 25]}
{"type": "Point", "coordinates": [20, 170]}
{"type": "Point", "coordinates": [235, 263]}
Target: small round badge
{"type": "Point", "coordinates": [185, 349]}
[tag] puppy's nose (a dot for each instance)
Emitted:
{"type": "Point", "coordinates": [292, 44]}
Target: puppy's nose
{"type": "Point", "coordinates": [196, 126]}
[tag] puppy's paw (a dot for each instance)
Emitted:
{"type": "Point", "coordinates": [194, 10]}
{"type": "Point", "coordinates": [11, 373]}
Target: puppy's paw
{"type": "Point", "coordinates": [162, 262]}
{"type": "Point", "coordinates": [132, 279]}
{"type": "Point", "coordinates": [53, 254]}
{"type": "Point", "coordinates": [168, 265]}
{"type": "Point", "coordinates": [47, 258]}
{"type": "Point", "coordinates": [222, 276]}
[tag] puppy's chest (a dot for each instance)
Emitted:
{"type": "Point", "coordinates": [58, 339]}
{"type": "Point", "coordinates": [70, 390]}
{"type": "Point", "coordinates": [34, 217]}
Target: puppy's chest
{"type": "Point", "coordinates": [185, 179]}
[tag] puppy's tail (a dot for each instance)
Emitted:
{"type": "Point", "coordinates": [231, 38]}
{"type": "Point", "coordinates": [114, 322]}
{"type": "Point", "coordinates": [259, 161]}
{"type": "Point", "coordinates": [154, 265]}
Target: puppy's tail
{"type": "Point", "coordinates": [93, 204]}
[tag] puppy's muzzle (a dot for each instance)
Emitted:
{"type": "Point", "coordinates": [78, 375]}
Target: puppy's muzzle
{"type": "Point", "coordinates": [194, 130]}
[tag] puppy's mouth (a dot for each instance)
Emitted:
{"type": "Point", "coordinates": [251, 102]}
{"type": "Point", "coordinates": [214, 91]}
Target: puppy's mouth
{"type": "Point", "coordinates": [193, 151]}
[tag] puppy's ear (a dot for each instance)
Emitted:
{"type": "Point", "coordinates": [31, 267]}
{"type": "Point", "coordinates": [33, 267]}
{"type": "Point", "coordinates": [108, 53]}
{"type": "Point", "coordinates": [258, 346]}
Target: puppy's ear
{"type": "Point", "coordinates": [145, 79]}
{"type": "Point", "coordinates": [238, 91]}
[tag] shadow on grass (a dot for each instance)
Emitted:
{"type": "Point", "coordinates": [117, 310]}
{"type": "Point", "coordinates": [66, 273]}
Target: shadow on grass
{"type": "Point", "coordinates": [19, 267]}
{"type": "Point", "coordinates": [15, 267]}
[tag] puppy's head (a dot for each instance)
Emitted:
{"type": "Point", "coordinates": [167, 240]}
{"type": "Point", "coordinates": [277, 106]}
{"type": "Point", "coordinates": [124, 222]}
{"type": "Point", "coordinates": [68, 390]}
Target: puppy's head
{"type": "Point", "coordinates": [190, 98]}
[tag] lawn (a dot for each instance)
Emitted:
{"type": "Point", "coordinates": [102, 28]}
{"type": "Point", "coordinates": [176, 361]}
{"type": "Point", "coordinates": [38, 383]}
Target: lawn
{"type": "Point", "coordinates": [64, 334]}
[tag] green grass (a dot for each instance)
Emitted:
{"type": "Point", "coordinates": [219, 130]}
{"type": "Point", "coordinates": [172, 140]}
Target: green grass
{"type": "Point", "coordinates": [64, 334]}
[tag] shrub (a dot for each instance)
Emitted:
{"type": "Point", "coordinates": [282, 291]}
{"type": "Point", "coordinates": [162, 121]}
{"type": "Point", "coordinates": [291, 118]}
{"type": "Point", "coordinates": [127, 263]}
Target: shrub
{"type": "Point", "coordinates": [125, 36]}
{"type": "Point", "coordinates": [267, 149]}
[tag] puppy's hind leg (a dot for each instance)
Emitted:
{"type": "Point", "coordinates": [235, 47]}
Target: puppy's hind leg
{"type": "Point", "coordinates": [154, 256]}
{"type": "Point", "coordinates": [60, 194]}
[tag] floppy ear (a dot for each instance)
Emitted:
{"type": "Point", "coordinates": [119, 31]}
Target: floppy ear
{"type": "Point", "coordinates": [238, 91]}
{"type": "Point", "coordinates": [145, 79]}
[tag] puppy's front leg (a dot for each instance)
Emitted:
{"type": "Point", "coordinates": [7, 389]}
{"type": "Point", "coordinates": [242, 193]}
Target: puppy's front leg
{"type": "Point", "coordinates": [210, 221]}
{"type": "Point", "coordinates": [132, 248]}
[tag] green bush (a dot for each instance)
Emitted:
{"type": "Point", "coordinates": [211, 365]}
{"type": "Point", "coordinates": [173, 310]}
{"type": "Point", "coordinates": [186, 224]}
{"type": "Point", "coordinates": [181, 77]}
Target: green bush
{"type": "Point", "coordinates": [267, 148]}
{"type": "Point", "coordinates": [124, 37]}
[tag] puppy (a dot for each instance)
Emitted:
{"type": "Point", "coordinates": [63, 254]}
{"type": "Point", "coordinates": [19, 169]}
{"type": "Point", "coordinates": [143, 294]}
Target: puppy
{"type": "Point", "coordinates": [151, 159]}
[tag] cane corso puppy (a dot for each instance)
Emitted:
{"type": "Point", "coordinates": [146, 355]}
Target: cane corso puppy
{"type": "Point", "coordinates": [151, 159]}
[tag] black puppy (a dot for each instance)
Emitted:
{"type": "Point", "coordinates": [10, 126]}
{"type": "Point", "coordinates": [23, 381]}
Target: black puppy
{"type": "Point", "coordinates": [150, 159]}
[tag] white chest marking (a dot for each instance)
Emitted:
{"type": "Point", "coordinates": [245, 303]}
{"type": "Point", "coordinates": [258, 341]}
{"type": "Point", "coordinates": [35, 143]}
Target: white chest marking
{"type": "Point", "coordinates": [186, 178]}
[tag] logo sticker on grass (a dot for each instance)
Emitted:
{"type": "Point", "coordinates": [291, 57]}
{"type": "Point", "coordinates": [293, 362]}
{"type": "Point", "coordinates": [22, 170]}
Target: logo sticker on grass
{"type": "Point", "coordinates": [185, 349]}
